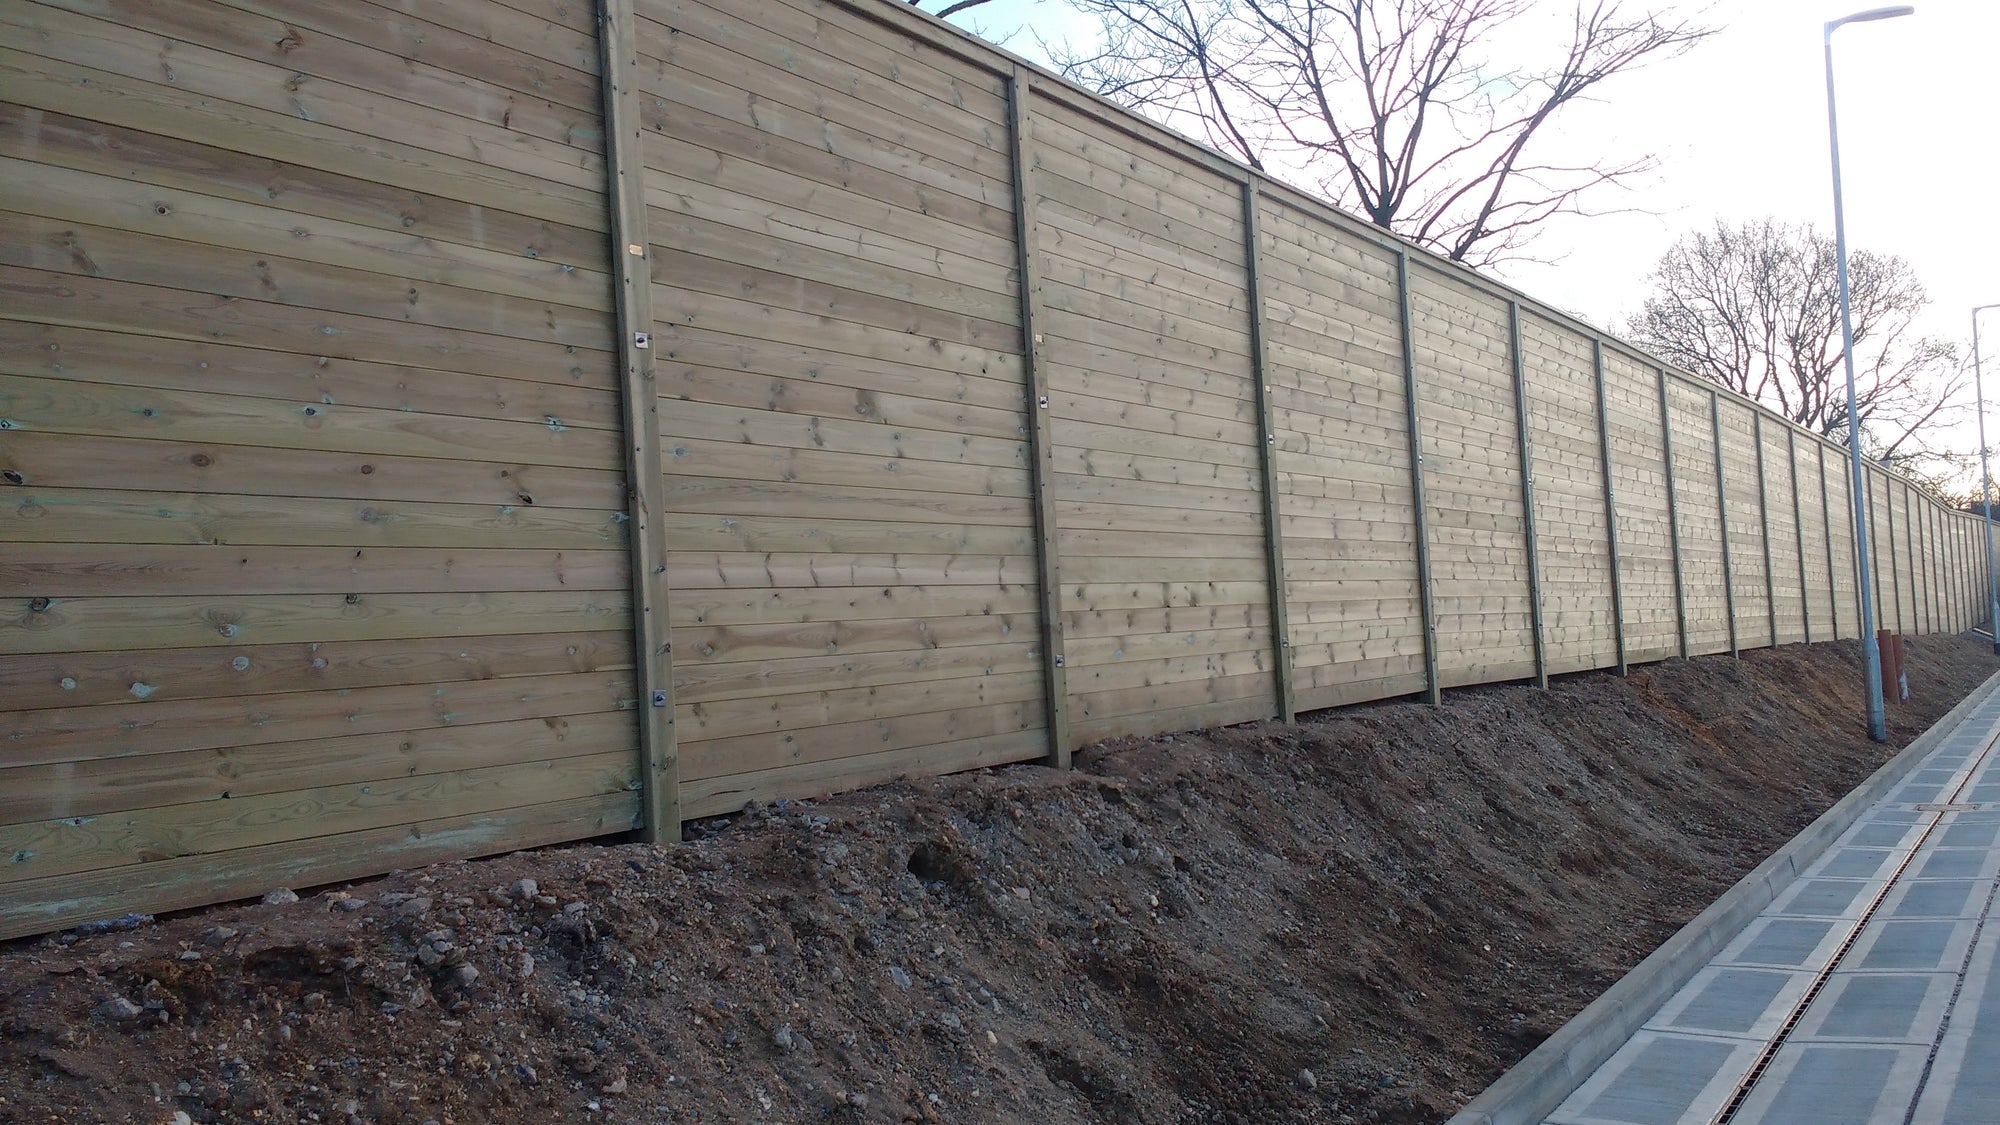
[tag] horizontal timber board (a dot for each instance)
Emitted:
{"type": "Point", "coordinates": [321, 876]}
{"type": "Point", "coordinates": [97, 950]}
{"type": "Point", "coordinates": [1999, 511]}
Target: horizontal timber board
{"type": "Point", "coordinates": [133, 676]}
{"type": "Point", "coordinates": [172, 726]}
{"type": "Point", "coordinates": [35, 906]}
{"type": "Point", "coordinates": [72, 845]}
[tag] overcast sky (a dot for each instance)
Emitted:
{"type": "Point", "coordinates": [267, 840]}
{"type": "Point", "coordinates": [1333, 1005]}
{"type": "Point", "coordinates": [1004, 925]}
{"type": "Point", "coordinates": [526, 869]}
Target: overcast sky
{"type": "Point", "coordinates": [1739, 125]}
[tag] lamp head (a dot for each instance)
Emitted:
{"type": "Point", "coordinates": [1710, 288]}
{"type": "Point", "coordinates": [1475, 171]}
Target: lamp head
{"type": "Point", "coordinates": [1872, 14]}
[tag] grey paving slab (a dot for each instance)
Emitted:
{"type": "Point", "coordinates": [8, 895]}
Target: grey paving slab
{"type": "Point", "coordinates": [1835, 1084]}
{"type": "Point", "coordinates": [1896, 835]}
{"type": "Point", "coordinates": [1902, 1008]}
{"type": "Point", "coordinates": [1890, 814]}
{"type": "Point", "coordinates": [1660, 1078]}
{"type": "Point", "coordinates": [1851, 863]}
{"type": "Point", "coordinates": [1936, 898]}
{"type": "Point", "coordinates": [1786, 943]}
{"type": "Point", "coordinates": [1963, 1087]}
{"type": "Point", "coordinates": [1956, 863]}
{"type": "Point", "coordinates": [1826, 898]}
{"type": "Point", "coordinates": [1726, 1000]}
{"type": "Point", "coordinates": [1911, 944]}
{"type": "Point", "coordinates": [1911, 794]}
{"type": "Point", "coordinates": [1961, 835]}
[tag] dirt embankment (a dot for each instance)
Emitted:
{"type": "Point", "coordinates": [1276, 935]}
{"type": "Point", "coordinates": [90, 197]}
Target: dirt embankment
{"type": "Point", "coordinates": [1362, 917]}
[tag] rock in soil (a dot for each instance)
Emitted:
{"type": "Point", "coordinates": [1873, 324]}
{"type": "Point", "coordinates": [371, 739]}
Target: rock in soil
{"type": "Point", "coordinates": [1362, 917]}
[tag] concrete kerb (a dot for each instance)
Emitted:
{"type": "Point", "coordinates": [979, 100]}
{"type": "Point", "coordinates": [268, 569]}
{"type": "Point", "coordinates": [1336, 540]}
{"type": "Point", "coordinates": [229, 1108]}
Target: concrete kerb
{"type": "Point", "coordinates": [1535, 1086]}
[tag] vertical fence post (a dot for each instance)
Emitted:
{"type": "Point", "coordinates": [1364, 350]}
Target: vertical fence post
{"type": "Point", "coordinates": [1854, 504]}
{"type": "Point", "coordinates": [1953, 587]}
{"type": "Point", "coordinates": [1020, 88]}
{"type": "Point", "coordinates": [1934, 543]}
{"type": "Point", "coordinates": [631, 258]}
{"type": "Point", "coordinates": [1610, 505]}
{"type": "Point", "coordinates": [1722, 515]}
{"type": "Point", "coordinates": [1764, 521]}
{"type": "Point", "coordinates": [1910, 544]}
{"type": "Point", "coordinates": [1953, 578]}
{"type": "Point", "coordinates": [1799, 532]}
{"type": "Point", "coordinates": [1962, 585]}
{"type": "Point", "coordinates": [1918, 518]}
{"type": "Point", "coordinates": [1528, 494]}
{"type": "Point", "coordinates": [1934, 537]}
{"type": "Point", "coordinates": [1433, 692]}
{"type": "Point", "coordinates": [1826, 525]}
{"type": "Point", "coordinates": [1267, 445]}
{"type": "Point", "coordinates": [1889, 533]}
{"type": "Point", "coordinates": [1673, 513]}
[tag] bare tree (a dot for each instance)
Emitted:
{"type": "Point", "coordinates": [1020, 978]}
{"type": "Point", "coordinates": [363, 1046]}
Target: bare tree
{"type": "Point", "coordinates": [1755, 307]}
{"type": "Point", "coordinates": [950, 8]}
{"type": "Point", "coordinates": [1393, 106]}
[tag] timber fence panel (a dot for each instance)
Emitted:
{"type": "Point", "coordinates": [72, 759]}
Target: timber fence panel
{"type": "Point", "coordinates": [1699, 505]}
{"type": "Point", "coordinates": [1784, 505]}
{"type": "Point", "coordinates": [1472, 482]}
{"type": "Point", "coordinates": [1157, 439]}
{"type": "Point", "coordinates": [1928, 560]}
{"type": "Point", "coordinates": [1645, 540]}
{"type": "Point", "coordinates": [1789, 527]}
{"type": "Point", "coordinates": [851, 504]}
{"type": "Point", "coordinates": [1884, 581]}
{"type": "Point", "coordinates": [1331, 314]}
{"type": "Point", "coordinates": [1570, 515]}
{"type": "Point", "coordinates": [1749, 585]}
{"type": "Point", "coordinates": [312, 371]}
{"type": "Point", "coordinates": [1816, 588]}
{"type": "Point", "coordinates": [1843, 557]}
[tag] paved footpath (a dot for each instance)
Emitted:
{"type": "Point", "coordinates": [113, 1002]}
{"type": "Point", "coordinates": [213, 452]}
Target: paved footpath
{"type": "Point", "coordinates": [1869, 990]}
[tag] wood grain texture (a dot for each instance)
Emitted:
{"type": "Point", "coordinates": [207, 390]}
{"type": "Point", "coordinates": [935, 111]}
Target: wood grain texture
{"type": "Point", "coordinates": [317, 545]}
{"type": "Point", "coordinates": [336, 477]}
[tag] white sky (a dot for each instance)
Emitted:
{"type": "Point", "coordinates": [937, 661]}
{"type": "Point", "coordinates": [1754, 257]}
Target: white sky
{"type": "Point", "coordinates": [1739, 125]}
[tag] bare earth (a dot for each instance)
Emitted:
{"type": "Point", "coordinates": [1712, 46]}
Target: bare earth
{"type": "Point", "coordinates": [1362, 917]}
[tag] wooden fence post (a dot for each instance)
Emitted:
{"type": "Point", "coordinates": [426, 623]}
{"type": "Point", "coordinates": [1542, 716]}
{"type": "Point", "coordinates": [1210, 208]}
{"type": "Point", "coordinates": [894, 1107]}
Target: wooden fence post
{"type": "Point", "coordinates": [1826, 526]}
{"type": "Point", "coordinates": [1267, 443]}
{"type": "Point", "coordinates": [1854, 504]}
{"type": "Point", "coordinates": [1799, 533]}
{"type": "Point", "coordinates": [1889, 546]}
{"type": "Point", "coordinates": [1055, 679]}
{"type": "Point", "coordinates": [1918, 518]}
{"type": "Point", "coordinates": [1433, 692]}
{"type": "Point", "coordinates": [1764, 521]}
{"type": "Point", "coordinates": [1528, 493]}
{"type": "Point", "coordinates": [1722, 514]}
{"type": "Point", "coordinates": [1673, 512]}
{"type": "Point", "coordinates": [1610, 505]}
{"type": "Point", "coordinates": [632, 258]}
{"type": "Point", "coordinates": [1933, 542]}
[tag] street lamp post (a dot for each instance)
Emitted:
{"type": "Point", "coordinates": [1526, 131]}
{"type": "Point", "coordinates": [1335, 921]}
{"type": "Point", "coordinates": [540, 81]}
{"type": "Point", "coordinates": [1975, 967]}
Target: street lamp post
{"type": "Point", "coordinates": [1986, 488]}
{"type": "Point", "coordinates": [1871, 653]}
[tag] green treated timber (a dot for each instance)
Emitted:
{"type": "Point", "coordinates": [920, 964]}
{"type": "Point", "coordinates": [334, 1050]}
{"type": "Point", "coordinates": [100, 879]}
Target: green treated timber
{"type": "Point", "coordinates": [1426, 593]}
{"type": "Point", "coordinates": [1020, 91]}
{"type": "Point", "coordinates": [631, 257]}
{"type": "Point", "coordinates": [1267, 442]}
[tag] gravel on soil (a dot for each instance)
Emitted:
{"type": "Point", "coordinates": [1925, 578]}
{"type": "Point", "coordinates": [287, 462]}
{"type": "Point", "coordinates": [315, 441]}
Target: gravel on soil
{"type": "Point", "coordinates": [1362, 917]}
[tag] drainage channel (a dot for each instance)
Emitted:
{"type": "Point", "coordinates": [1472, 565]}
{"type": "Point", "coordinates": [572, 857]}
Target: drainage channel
{"type": "Point", "coordinates": [1765, 1057]}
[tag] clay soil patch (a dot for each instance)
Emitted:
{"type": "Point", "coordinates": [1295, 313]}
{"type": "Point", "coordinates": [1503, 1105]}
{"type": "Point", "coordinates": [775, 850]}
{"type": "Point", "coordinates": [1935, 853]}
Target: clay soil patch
{"type": "Point", "coordinates": [1365, 916]}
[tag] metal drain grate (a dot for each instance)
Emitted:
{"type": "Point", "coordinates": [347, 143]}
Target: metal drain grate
{"type": "Point", "coordinates": [1949, 808]}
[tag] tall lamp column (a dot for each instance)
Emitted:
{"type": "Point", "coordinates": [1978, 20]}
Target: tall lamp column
{"type": "Point", "coordinates": [1871, 652]}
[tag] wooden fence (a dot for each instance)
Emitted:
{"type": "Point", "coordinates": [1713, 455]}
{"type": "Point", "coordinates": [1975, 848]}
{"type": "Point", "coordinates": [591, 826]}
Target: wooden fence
{"type": "Point", "coordinates": [966, 418]}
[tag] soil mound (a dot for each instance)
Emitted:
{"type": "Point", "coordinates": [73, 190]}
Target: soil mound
{"type": "Point", "coordinates": [1365, 916]}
